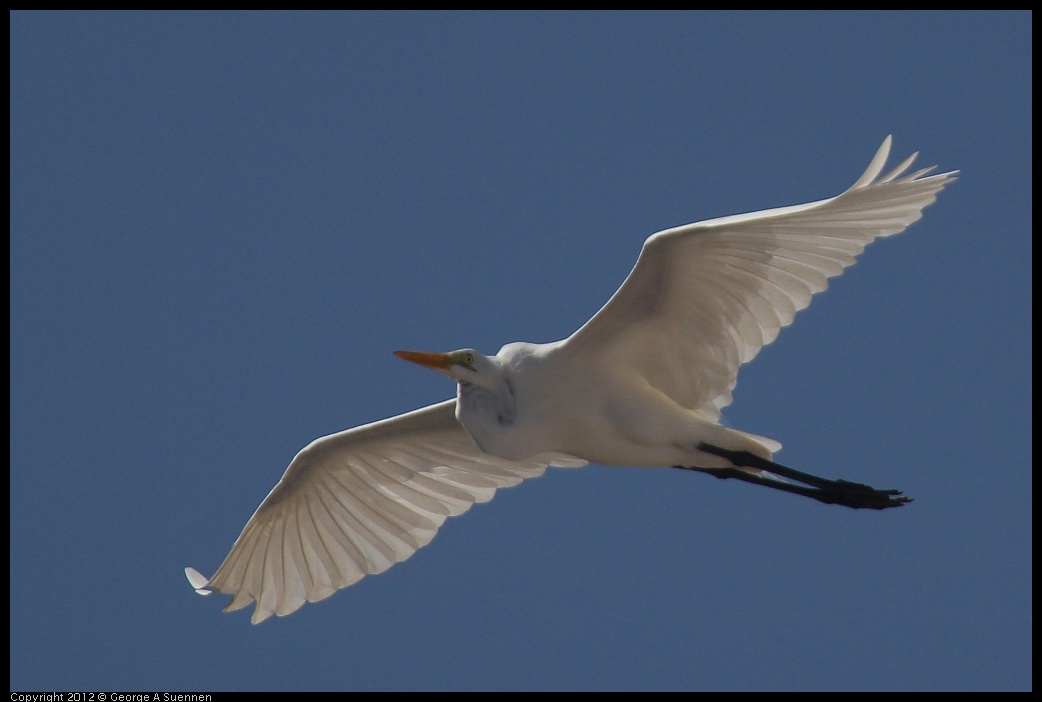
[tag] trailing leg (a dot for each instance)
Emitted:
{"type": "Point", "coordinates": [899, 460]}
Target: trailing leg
{"type": "Point", "coordinates": [838, 492]}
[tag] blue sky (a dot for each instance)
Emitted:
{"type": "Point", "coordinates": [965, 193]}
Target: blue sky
{"type": "Point", "coordinates": [223, 224]}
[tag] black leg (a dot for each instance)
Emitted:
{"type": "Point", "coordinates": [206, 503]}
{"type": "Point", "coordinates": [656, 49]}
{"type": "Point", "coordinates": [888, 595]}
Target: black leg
{"type": "Point", "coordinates": [837, 492]}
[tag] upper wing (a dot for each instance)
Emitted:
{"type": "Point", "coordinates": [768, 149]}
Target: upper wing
{"type": "Point", "coordinates": [705, 298]}
{"type": "Point", "coordinates": [357, 502]}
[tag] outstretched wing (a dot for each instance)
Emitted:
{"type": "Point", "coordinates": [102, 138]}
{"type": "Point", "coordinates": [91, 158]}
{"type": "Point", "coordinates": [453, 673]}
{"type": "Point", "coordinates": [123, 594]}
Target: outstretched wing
{"type": "Point", "coordinates": [705, 298]}
{"type": "Point", "coordinates": [356, 503]}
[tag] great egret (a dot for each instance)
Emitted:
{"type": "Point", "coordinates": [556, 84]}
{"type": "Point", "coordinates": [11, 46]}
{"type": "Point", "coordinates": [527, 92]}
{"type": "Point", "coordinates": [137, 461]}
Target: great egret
{"type": "Point", "coordinates": [640, 384]}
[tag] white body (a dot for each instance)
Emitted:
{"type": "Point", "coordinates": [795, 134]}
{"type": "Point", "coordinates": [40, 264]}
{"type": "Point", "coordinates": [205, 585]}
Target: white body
{"type": "Point", "coordinates": [581, 406]}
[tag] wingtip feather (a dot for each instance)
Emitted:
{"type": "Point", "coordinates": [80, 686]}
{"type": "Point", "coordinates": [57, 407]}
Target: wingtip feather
{"type": "Point", "coordinates": [876, 166]}
{"type": "Point", "coordinates": [198, 581]}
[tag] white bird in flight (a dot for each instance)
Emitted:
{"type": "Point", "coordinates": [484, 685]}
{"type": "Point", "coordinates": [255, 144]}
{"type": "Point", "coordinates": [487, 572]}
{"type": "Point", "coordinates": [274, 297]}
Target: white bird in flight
{"type": "Point", "coordinates": [641, 384]}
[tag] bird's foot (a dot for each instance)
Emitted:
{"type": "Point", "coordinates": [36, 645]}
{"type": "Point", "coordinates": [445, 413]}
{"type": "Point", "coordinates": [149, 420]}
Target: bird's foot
{"type": "Point", "coordinates": [859, 496]}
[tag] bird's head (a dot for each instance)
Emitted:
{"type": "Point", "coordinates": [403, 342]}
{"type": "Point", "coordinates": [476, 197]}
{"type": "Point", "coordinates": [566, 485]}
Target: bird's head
{"type": "Point", "coordinates": [463, 366]}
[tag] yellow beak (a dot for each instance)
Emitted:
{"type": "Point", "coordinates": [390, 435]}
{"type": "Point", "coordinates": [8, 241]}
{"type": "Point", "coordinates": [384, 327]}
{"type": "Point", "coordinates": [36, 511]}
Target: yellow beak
{"type": "Point", "coordinates": [434, 361]}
